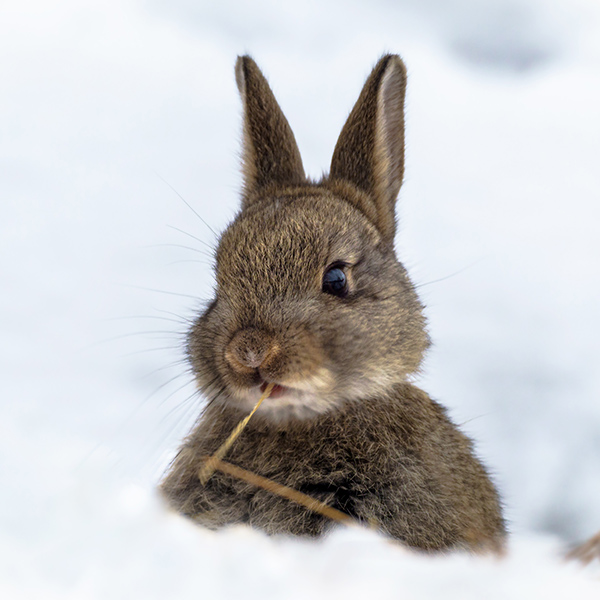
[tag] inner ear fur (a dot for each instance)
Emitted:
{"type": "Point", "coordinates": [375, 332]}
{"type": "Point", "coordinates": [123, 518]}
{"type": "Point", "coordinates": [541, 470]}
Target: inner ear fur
{"type": "Point", "coordinates": [270, 155]}
{"type": "Point", "coordinates": [370, 150]}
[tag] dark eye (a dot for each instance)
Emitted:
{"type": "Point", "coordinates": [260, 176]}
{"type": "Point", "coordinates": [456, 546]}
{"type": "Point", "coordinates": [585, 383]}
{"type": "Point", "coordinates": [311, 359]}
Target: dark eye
{"type": "Point", "coordinates": [335, 281]}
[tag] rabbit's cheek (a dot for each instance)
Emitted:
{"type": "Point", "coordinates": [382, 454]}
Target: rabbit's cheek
{"type": "Point", "coordinates": [297, 366]}
{"type": "Point", "coordinates": [319, 381]}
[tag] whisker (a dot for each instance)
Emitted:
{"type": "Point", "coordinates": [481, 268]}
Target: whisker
{"type": "Point", "coordinates": [175, 391]}
{"type": "Point", "coordinates": [476, 417]}
{"type": "Point", "coordinates": [178, 262]}
{"type": "Point", "coordinates": [182, 246]}
{"type": "Point", "coordinates": [187, 321]}
{"type": "Point", "coordinates": [164, 385]}
{"type": "Point", "coordinates": [176, 363]}
{"type": "Point", "coordinates": [152, 350]}
{"type": "Point", "coordinates": [126, 421]}
{"type": "Point", "coordinates": [185, 416]}
{"type": "Point", "coordinates": [144, 317]}
{"type": "Point", "coordinates": [182, 403]}
{"type": "Point", "coordinates": [138, 287]}
{"type": "Point", "coordinates": [214, 398]}
{"type": "Point", "coordinates": [186, 203]}
{"type": "Point", "coordinates": [207, 390]}
{"type": "Point", "coordinates": [136, 333]}
{"type": "Point", "coordinates": [193, 237]}
{"type": "Point", "coordinates": [448, 276]}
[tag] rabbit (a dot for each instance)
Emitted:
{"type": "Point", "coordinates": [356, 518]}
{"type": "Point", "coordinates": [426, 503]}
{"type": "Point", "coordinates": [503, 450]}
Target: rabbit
{"type": "Point", "coordinates": [311, 297]}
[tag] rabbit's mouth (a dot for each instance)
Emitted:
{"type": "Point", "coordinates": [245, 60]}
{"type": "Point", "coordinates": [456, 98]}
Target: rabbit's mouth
{"type": "Point", "coordinates": [298, 398]}
{"type": "Point", "coordinates": [276, 392]}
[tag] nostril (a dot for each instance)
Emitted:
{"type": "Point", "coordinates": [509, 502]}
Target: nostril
{"type": "Point", "coordinates": [248, 349]}
{"type": "Point", "coordinates": [251, 358]}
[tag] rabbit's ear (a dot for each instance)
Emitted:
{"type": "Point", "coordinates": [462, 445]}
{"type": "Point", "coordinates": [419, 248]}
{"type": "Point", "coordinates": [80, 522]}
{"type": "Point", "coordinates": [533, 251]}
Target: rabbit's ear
{"type": "Point", "coordinates": [370, 150]}
{"type": "Point", "coordinates": [270, 155]}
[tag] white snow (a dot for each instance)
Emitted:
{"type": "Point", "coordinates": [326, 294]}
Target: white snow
{"type": "Point", "coordinates": [102, 101]}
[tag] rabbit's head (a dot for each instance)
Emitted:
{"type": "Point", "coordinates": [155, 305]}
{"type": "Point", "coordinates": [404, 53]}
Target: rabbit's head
{"type": "Point", "coordinates": [309, 292]}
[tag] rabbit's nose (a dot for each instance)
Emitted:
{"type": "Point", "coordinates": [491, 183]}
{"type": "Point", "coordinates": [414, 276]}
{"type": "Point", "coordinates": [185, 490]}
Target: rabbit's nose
{"type": "Point", "coordinates": [250, 349]}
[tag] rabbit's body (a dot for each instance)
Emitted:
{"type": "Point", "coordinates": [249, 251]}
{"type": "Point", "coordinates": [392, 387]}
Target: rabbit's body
{"type": "Point", "coordinates": [311, 297]}
{"type": "Point", "coordinates": [396, 461]}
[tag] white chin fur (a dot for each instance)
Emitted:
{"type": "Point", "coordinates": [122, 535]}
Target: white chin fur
{"type": "Point", "coordinates": [318, 396]}
{"type": "Point", "coordinates": [292, 404]}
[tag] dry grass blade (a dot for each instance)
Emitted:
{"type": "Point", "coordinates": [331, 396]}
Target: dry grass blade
{"type": "Point", "coordinates": [209, 466]}
{"type": "Point", "coordinates": [216, 463]}
{"type": "Point", "coordinates": [283, 491]}
{"type": "Point", "coordinates": [586, 552]}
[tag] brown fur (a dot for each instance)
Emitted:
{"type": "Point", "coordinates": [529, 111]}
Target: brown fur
{"type": "Point", "coordinates": [352, 431]}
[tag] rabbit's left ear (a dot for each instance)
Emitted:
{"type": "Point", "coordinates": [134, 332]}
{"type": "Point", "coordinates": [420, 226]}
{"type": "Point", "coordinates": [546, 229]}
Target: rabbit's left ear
{"type": "Point", "coordinates": [370, 150]}
{"type": "Point", "coordinates": [270, 154]}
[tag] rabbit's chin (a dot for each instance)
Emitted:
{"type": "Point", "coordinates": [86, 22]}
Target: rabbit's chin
{"type": "Point", "coordinates": [286, 403]}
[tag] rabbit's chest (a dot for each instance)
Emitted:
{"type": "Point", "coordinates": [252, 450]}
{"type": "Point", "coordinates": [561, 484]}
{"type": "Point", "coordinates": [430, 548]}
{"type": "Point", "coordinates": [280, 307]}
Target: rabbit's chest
{"type": "Point", "coordinates": [342, 473]}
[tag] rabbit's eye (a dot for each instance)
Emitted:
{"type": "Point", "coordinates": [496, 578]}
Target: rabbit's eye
{"type": "Point", "coordinates": [335, 281]}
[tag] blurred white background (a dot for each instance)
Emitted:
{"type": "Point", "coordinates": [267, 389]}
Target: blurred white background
{"type": "Point", "coordinates": [105, 105]}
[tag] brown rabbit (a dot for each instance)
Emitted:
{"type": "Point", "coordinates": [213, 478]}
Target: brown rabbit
{"type": "Point", "coordinates": [310, 296]}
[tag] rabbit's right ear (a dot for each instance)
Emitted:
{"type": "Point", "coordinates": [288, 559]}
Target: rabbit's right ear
{"type": "Point", "coordinates": [370, 150]}
{"type": "Point", "coordinates": [270, 155]}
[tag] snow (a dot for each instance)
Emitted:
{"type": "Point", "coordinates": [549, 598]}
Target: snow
{"type": "Point", "coordinates": [101, 103]}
